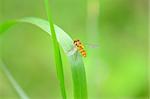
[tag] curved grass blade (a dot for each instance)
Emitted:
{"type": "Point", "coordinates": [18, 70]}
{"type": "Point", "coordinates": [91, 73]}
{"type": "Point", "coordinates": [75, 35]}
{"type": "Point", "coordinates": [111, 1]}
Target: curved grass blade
{"type": "Point", "coordinates": [16, 86]}
{"type": "Point", "coordinates": [65, 41]}
{"type": "Point", "coordinates": [6, 71]}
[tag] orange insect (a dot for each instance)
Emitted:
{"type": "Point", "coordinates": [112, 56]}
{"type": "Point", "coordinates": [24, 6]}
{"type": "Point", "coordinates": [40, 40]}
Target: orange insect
{"type": "Point", "coordinates": [80, 47]}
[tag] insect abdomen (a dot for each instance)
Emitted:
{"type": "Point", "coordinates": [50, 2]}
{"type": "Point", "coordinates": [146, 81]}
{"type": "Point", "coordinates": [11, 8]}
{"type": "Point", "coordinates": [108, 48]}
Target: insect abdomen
{"type": "Point", "coordinates": [83, 52]}
{"type": "Point", "coordinates": [80, 47]}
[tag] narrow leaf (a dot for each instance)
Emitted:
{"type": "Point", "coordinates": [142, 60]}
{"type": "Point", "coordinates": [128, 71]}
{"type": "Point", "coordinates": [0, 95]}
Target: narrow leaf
{"type": "Point", "coordinates": [65, 41]}
{"type": "Point", "coordinates": [58, 60]}
{"type": "Point", "coordinates": [16, 86]}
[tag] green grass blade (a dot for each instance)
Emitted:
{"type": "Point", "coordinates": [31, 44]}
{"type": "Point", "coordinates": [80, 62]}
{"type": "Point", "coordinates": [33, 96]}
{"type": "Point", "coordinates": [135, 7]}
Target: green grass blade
{"type": "Point", "coordinates": [65, 41]}
{"type": "Point", "coordinates": [58, 59]}
{"type": "Point", "coordinates": [6, 25]}
{"type": "Point", "coordinates": [4, 68]}
{"type": "Point", "coordinates": [16, 86]}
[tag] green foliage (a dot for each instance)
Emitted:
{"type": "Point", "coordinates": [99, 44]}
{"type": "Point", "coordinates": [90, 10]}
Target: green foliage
{"type": "Point", "coordinates": [57, 54]}
{"type": "Point", "coordinates": [15, 85]}
{"type": "Point", "coordinates": [76, 62]}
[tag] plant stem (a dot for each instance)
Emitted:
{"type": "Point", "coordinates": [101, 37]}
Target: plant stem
{"type": "Point", "coordinates": [9, 76]}
{"type": "Point", "coordinates": [58, 60]}
{"type": "Point", "coordinates": [16, 86]}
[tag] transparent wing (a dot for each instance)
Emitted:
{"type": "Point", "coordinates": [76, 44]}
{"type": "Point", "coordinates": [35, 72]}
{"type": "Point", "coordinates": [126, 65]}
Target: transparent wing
{"type": "Point", "coordinates": [92, 45]}
{"type": "Point", "coordinates": [72, 51]}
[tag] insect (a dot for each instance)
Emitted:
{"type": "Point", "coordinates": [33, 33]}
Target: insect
{"type": "Point", "coordinates": [80, 47]}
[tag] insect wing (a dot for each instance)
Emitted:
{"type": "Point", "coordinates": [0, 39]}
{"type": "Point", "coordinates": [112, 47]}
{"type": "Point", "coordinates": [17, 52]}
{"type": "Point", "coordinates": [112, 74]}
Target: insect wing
{"type": "Point", "coordinates": [72, 51]}
{"type": "Point", "coordinates": [92, 45]}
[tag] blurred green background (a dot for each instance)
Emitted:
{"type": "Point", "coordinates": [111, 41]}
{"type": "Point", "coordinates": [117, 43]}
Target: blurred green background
{"type": "Point", "coordinates": [117, 69]}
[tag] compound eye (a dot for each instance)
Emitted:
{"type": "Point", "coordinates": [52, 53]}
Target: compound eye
{"type": "Point", "coordinates": [75, 41]}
